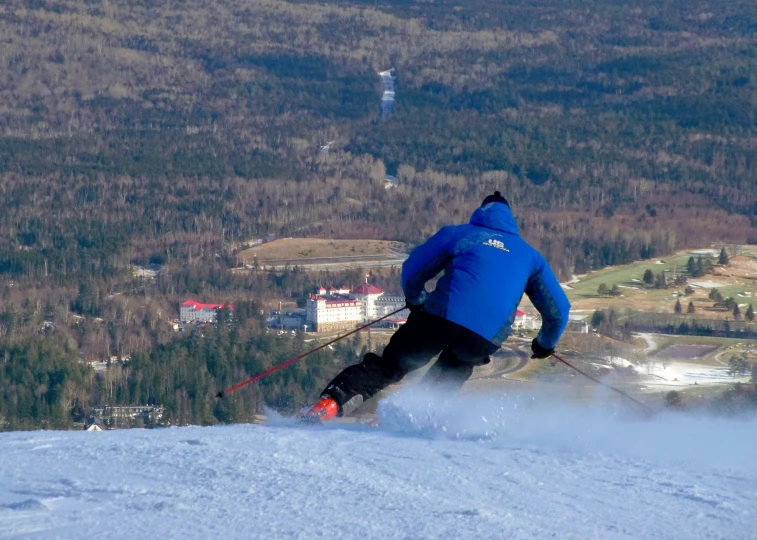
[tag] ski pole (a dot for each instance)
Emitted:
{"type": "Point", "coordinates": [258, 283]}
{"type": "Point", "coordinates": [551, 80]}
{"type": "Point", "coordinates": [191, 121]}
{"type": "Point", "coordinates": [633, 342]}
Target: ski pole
{"type": "Point", "coordinates": [646, 407]}
{"type": "Point", "coordinates": [221, 394]}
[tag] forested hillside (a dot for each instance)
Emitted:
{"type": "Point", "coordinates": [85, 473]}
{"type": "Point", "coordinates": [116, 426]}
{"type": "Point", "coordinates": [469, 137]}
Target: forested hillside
{"type": "Point", "coordinates": [168, 132]}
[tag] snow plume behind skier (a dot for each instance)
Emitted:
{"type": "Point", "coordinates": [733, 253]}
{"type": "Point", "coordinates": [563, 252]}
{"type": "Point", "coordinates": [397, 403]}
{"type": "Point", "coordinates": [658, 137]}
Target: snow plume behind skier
{"type": "Point", "coordinates": [487, 269]}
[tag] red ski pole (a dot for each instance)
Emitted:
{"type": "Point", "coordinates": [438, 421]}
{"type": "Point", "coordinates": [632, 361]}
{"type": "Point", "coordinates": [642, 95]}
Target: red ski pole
{"type": "Point", "coordinates": [571, 366]}
{"type": "Point", "coordinates": [303, 355]}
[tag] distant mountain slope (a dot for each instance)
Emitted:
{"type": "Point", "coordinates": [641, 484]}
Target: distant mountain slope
{"type": "Point", "coordinates": [551, 472]}
{"type": "Point", "coordinates": [534, 89]}
{"type": "Point", "coordinates": [208, 119]}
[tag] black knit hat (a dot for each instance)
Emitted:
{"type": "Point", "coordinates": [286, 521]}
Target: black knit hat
{"type": "Point", "coordinates": [497, 197]}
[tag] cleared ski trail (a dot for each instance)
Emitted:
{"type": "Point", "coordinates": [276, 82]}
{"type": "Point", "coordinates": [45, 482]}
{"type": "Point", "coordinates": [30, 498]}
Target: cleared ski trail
{"type": "Point", "coordinates": [549, 473]}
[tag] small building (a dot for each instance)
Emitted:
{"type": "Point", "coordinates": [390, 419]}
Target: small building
{"type": "Point", "coordinates": [525, 321]}
{"type": "Point", "coordinates": [395, 323]}
{"type": "Point", "coordinates": [107, 417]}
{"type": "Point", "coordinates": [579, 326]}
{"type": "Point", "coordinates": [288, 319]}
{"type": "Point", "coordinates": [193, 311]}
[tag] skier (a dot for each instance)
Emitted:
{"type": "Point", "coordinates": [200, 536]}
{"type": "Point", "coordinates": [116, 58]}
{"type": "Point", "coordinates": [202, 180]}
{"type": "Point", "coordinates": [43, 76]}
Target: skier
{"type": "Point", "coordinates": [487, 268]}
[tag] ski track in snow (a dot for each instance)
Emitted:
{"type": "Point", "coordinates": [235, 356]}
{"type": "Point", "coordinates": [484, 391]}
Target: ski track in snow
{"type": "Point", "coordinates": [480, 466]}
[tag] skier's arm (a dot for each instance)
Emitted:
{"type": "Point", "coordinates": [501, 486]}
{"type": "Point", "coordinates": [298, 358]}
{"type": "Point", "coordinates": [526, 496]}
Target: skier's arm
{"type": "Point", "coordinates": [424, 262]}
{"type": "Point", "coordinates": [547, 296]}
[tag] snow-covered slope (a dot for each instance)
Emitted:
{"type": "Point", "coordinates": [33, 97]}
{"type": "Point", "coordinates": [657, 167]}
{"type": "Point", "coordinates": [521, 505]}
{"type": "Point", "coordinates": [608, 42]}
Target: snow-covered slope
{"type": "Point", "coordinates": [499, 467]}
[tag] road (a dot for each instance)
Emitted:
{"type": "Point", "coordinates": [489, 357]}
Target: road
{"type": "Point", "coordinates": [496, 368]}
{"type": "Point", "coordinates": [336, 263]}
{"type": "Point", "coordinates": [721, 353]}
{"type": "Point", "coordinates": [733, 350]}
{"type": "Point", "coordinates": [651, 343]}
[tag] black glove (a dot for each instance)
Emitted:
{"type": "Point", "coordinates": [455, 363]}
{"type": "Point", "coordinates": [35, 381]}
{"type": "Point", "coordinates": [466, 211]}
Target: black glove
{"type": "Point", "coordinates": [539, 351]}
{"type": "Point", "coordinates": [413, 308]}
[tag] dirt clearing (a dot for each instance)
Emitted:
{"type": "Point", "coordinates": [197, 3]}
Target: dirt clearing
{"type": "Point", "coordinates": [303, 249]}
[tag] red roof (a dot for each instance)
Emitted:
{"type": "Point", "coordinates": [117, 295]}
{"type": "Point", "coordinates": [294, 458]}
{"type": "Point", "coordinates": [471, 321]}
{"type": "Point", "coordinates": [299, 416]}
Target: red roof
{"type": "Point", "coordinates": [367, 288]}
{"type": "Point", "coordinates": [519, 313]}
{"type": "Point", "coordinates": [197, 305]}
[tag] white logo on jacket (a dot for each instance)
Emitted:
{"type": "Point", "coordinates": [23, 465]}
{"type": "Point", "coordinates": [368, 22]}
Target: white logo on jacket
{"type": "Point", "coordinates": [496, 244]}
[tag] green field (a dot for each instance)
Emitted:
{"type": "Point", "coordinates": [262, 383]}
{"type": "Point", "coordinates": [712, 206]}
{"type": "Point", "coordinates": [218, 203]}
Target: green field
{"type": "Point", "coordinates": [739, 277]}
{"type": "Point", "coordinates": [588, 284]}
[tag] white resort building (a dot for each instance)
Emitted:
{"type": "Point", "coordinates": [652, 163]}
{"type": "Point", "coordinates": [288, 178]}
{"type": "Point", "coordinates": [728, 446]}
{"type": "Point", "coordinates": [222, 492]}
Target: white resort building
{"type": "Point", "coordinates": [192, 311]}
{"type": "Point", "coordinates": [525, 321]}
{"type": "Point", "coordinates": [338, 309]}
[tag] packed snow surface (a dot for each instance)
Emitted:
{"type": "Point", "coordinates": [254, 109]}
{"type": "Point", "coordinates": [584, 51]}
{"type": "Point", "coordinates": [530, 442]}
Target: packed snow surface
{"type": "Point", "coordinates": [686, 374]}
{"type": "Point", "coordinates": [482, 466]}
{"type": "Point", "coordinates": [619, 362]}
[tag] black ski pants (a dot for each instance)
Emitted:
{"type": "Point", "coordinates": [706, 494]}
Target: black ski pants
{"type": "Point", "coordinates": [411, 347]}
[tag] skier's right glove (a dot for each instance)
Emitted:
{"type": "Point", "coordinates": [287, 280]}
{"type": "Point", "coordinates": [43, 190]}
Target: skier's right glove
{"type": "Point", "coordinates": [413, 308]}
{"type": "Point", "coordinates": [539, 351]}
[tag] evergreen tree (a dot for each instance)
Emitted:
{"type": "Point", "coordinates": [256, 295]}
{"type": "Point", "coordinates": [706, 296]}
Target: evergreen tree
{"type": "Point", "coordinates": [661, 282]}
{"type": "Point", "coordinates": [673, 400]}
{"type": "Point", "coordinates": [750, 313]}
{"type": "Point", "coordinates": [707, 265]}
{"type": "Point", "coordinates": [715, 295]}
{"type": "Point", "coordinates": [723, 259]}
{"type": "Point", "coordinates": [602, 289]}
{"type": "Point", "coordinates": [691, 308]}
{"type": "Point", "coordinates": [699, 267]}
{"type": "Point", "coordinates": [691, 267]}
{"type": "Point", "coordinates": [615, 291]}
{"type": "Point", "coordinates": [689, 290]}
{"type": "Point", "coordinates": [597, 318]}
{"type": "Point", "coordinates": [648, 277]}
{"type": "Point", "coordinates": [223, 315]}
{"type": "Point", "coordinates": [736, 312]}
{"type": "Point", "coordinates": [737, 366]}
{"type": "Point", "coordinates": [678, 309]}
{"type": "Point", "coordinates": [87, 302]}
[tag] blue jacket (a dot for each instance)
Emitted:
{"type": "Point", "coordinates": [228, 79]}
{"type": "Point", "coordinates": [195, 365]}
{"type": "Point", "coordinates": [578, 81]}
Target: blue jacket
{"type": "Point", "coordinates": [487, 268]}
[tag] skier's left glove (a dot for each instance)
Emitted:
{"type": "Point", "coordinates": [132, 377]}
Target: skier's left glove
{"type": "Point", "coordinates": [539, 351]}
{"type": "Point", "coordinates": [415, 303]}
